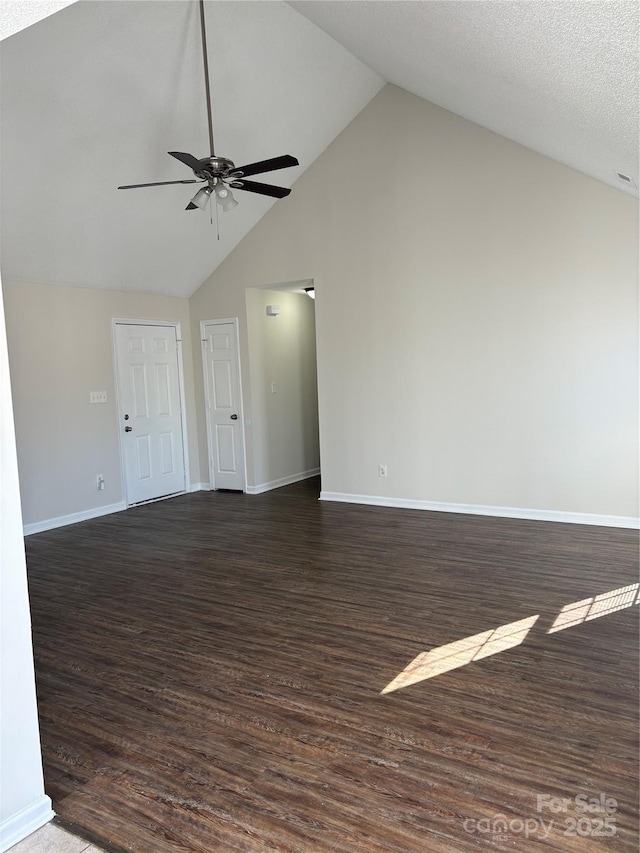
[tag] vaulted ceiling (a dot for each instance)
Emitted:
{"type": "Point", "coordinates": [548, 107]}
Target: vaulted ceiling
{"type": "Point", "coordinates": [95, 95]}
{"type": "Point", "coordinates": [558, 77]}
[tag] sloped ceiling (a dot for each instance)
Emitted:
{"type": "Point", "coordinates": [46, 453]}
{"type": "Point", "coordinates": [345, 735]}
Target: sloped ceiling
{"type": "Point", "coordinates": [557, 76]}
{"type": "Point", "coordinates": [95, 95]}
{"type": "Point", "coordinates": [16, 14]}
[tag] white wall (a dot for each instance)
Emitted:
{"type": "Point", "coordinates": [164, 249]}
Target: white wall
{"type": "Point", "coordinates": [282, 350]}
{"type": "Point", "coordinates": [476, 315]}
{"type": "Point", "coordinates": [60, 349]}
{"type": "Point", "coordinates": [23, 804]}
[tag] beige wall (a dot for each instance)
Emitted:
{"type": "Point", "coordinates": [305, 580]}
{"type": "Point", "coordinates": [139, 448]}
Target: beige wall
{"type": "Point", "coordinates": [476, 315]}
{"type": "Point", "coordinates": [60, 349]}
{"type": "Point", "coordinates": [282, 350]}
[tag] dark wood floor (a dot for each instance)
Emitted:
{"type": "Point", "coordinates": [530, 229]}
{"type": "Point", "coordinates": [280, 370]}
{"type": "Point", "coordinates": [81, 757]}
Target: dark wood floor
{"type": "Point", "coordinates": [210, 669]}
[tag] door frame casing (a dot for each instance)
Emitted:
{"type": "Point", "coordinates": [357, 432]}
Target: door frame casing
{"type": "Point", "coordinates": [210, 455]}
{"type": "Point", "coordinates": [123, 321]}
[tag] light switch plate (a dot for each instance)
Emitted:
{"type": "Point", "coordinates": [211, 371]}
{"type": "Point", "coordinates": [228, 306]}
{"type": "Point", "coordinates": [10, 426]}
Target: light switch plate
{"type": "Point", "coordinates": [97, 396]}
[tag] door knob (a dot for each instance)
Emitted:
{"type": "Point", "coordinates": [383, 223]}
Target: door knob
{"type": "Point", "coordinates": [128, 429]}
{"type": "Point", "coordinates": [234, 417]}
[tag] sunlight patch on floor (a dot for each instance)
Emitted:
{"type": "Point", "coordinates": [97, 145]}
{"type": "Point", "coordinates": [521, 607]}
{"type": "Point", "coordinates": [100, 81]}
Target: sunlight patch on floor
{"type": "Point", "coordinates": [461, 652]}
{"type": "Point", "coordinates": [592, 608]}
{"type": "Point", "coordinates": [453, 655]}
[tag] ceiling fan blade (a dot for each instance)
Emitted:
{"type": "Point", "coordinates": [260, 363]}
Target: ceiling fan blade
{"type": "Point", "coordinates": [262, 189]}
{"type": "Point", "coordinates": [188, 159]}
{"type": "Point", "coordinates": [265, 166]}
{"type": "Point", "coordinates": [191, 206]}
{"type": "Point", "coordinates": [156, 184]}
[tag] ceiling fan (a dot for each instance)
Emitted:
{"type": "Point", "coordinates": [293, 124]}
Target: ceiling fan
{"type": "Point", "coordinates": [220, 173]}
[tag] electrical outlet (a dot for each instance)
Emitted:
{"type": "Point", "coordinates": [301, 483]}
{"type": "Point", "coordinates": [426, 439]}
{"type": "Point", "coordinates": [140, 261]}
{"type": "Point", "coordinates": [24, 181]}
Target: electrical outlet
{"type": "Point", "coordinates": [382, 470]}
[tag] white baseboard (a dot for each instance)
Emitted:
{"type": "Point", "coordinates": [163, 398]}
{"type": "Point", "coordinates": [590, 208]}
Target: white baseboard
{"type": "Point", "coordinates": [85, 515]}
{"type": "Point", "coordinates": [25, 822]}
{"type": "Point", "coordinates": [62, 520]}
{"type": "Point", "coordinates": [479, 509]}
{"type": "Point", "coordinates": [283, 481]}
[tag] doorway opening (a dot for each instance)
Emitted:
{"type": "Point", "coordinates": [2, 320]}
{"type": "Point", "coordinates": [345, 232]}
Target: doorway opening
{"type": "Point", "coordinates": [281, 327]}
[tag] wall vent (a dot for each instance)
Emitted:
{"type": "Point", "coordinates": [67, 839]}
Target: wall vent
{"type": "Point", "coordinates": [625, 179]}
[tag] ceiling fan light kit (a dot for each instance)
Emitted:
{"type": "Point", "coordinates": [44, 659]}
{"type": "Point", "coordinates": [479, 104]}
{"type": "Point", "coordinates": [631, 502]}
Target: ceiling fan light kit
{"type": "Point", "coordinates": [220, 173]}
{"type": "Point", "coordinates": [224, 197]}
{"type": "Point", "coordinates": [201, 198]}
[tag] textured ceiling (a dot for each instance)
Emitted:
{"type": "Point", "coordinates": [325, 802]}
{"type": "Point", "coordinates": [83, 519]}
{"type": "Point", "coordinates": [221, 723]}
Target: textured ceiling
{"type": "Point", "coordinates": [95, 95]}
{"type": "Point", "coordinates": [559, 77]}
{"type": "Point", "coordinates": [15, 15]}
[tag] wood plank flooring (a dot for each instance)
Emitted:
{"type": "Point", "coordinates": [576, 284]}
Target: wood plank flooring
{"type": "Point", "coordinates": [210, 667]}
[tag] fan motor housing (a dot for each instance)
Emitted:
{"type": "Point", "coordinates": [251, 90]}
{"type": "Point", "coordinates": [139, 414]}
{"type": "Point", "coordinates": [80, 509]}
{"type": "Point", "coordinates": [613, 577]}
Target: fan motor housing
{"type": "Point", "coordinates": [213, 167]}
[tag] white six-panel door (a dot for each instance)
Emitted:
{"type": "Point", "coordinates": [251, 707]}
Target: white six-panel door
{"type": "Point", "coordinates": [223, 402]}
{"type": "Point", "coordinates": [150, 414]}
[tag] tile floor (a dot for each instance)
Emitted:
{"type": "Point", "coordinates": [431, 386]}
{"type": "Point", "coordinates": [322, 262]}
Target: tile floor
{"type": "Point", "coordinates": [52, 839]}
